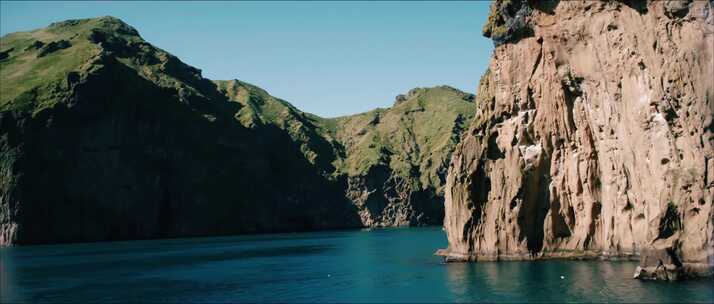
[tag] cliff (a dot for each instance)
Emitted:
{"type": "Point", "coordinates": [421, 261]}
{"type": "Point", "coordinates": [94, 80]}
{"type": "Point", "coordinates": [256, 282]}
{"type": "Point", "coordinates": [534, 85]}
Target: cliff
{"type": "Point", "coordinates": [390, 162]}
{"type": "Point", "coordinates": [396, 159]}
{"type": "Point", "coordinates": [594, 138]}
{"type": "Point", "coordinates": [105, 137]}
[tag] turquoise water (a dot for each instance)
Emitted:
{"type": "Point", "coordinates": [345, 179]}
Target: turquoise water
{"type": "Point", "coordinates": [392, 265]}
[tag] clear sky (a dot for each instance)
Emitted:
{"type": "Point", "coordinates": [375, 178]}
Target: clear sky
{"type": "Point", "coordinates": [327, 58]}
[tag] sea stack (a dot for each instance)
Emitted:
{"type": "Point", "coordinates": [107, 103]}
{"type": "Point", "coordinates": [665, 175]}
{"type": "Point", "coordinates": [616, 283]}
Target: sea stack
{"type": "Point", "coordinates": [593, 139]}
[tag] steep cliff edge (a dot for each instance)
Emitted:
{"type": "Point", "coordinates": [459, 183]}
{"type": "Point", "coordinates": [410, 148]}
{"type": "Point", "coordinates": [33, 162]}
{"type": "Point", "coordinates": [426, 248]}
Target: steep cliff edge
{"type": "Point", "coordinates": [396, 159]}
{"type": "Point", "coordinates": [594, 138]}
{"type": "Point", "coordinates": [105, 137]}
{"type": "Point", "coordinates": [260, 109]}
{"type": "Point", "coordinates": [391, 162]}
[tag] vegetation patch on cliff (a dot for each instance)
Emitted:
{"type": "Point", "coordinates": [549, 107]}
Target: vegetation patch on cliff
{"type": "Point", "coordinates": [109, 126]}
{"type": "Point", "coordinates": [508, 20]}
{"type": "Point", "coordinates": [412, 140]}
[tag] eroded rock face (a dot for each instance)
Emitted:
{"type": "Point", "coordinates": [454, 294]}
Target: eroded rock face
{"type": "Point", "coordinates": [133, 144]}
{"type": "Point", "coordinates": [396, 159]}
{"type": "Point", "coordinates": [391, 163]}
{"type": "Point", "coordinates": [105, 137]}
{"type": "Point", "coordinates": [384, 198]}
{"type": "Point", "coordinates": [594, 138]}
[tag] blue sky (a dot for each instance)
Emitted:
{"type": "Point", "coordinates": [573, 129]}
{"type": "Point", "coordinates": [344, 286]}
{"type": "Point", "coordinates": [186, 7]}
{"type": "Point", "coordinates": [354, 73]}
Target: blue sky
{"type": "Point", "coordinates": [327, 58]}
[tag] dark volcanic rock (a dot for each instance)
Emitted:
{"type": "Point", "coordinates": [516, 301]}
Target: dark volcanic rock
{"type": "Point", "coordinates": [116, 139]}
{"type": "Point", "coordinates": [391, 162]}
{"type": "Point", "coordinates": [117, 149]}
{"type": "Point", "coordinates": [53, 47]}
{"type": "Point", "coordinates": [5, 54]}
{"type": "Point", "coordinates": [35, 45]}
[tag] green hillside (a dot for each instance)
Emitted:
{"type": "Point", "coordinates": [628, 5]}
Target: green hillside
{"type": "Point", "coordinates": [412, 140]}
{"type": "Point", "coordinates": [104, 136]}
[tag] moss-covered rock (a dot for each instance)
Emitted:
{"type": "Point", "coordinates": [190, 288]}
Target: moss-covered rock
{"type": "Point", "coordinates": [508, 21]}
{"type": "Point", "coordinates": [396, 159]}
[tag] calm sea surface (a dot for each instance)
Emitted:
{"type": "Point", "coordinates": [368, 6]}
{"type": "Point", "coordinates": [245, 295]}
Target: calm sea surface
{"type": "Point", "coordinates": [392, 265]}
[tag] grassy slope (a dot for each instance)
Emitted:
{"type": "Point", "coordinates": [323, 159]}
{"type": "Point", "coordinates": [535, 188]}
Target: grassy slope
{"type": "Point", "coordinates": [260, 108]}
{"type": "Point", "coordinates": [23, 71]}
{"type": "Point", "coordinates": [30, 82]}
{"type": "Point", "coordinates": [417, 133]}
{"type": "Point", "coordinates": [112, 110]}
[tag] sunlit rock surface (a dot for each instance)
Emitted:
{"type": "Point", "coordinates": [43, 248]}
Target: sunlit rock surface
{"type": "Point", "coordinates": [593, 138]}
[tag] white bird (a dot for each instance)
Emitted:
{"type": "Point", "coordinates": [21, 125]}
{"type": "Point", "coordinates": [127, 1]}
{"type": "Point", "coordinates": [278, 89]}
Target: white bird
{"type": "Point", "coordinates": [562, 277]}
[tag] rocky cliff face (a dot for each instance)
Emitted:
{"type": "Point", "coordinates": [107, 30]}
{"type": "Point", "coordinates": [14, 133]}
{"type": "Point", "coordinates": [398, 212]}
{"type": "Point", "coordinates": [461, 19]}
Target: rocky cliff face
{"type": "Point", "coordinates": [260, 109]}
{"type": "Point", "coordinates": [106, 137]}
{"type": "Point", "coordinates": [390, 162]}
{"type": "Point", "coordinates": [396, 159]}
{"type": "Point", "coordinates": [594, 137]}
{"type": "Point", "coordinates": [110, 138]}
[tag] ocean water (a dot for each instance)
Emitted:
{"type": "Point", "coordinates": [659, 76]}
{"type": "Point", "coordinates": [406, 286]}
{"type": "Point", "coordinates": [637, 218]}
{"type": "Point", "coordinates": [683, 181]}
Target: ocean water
{"type": "Point", "coordinates": [390, 265]}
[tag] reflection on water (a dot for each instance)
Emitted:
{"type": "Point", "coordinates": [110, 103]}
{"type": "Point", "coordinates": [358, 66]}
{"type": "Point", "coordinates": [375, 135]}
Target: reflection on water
{"type": "Point", "coordinates": [566, 281]}
{"type": "Point", "coordinates": [500, 281]}
{"type": "Point", "coordinates": [393, 265]}
{"type": "Point", "coordinates": [7, 276]}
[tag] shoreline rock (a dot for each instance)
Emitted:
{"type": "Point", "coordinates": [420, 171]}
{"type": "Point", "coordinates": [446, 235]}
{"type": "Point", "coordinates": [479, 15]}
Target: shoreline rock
{"type": "Point", "coordinates": [595, 136]}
